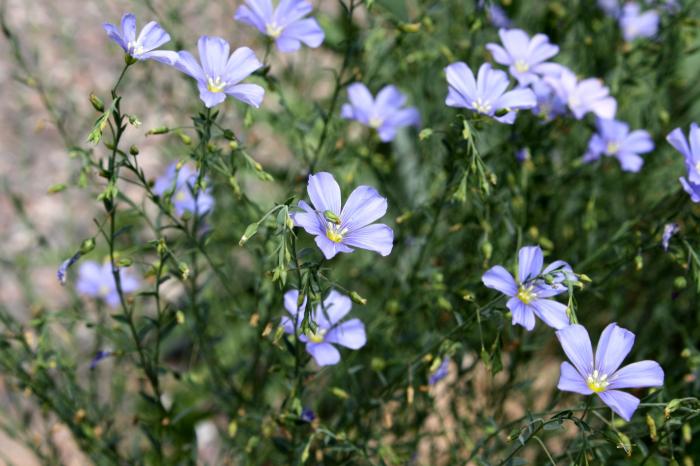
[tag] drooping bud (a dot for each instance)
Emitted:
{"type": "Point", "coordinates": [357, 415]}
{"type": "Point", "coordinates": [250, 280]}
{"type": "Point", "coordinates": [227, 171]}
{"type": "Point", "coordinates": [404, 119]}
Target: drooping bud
{"type": "Point", "coordinates": [97, 103]}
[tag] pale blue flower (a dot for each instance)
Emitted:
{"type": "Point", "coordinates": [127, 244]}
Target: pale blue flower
{"type": "Point", "coordinates": [614, 139]}
{"type": "Point", "coordinates": [587, 95]}
{"type": "Point", "coordinates": [144, 46]}
{"type": "Point", "coordinates": [635, 24]}
{"type": "Point", "coordinates": [180, 183]}
{"type": "Point", "coordinates": [286, 24]}
{"type": "Point", "coordinates": [97, 281]}
{"type": "Point", "coordinates": [602, 375]}
{"type": "Point", "coordinates": [219, 74]}
{"type": "Point", "coordinates": [525, 57]}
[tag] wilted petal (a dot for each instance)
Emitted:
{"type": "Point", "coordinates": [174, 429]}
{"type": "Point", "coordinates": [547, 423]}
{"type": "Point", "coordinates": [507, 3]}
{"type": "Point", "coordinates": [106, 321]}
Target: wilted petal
{"type": "Point", "coordinates": [324, 354]}
{"type": "Point", "coordinates": [377, 237]}
{"type": "Point", "coordinates": [638, 375]}
{"type": "Point", "coordinates": [498, 278]}
{"type": "Point", "coordinates": [576, 344]}
{"type": "Point", "coordinates": [623, 404]}
{"type": "Point", "coordinates": [571, 381]}
{"type": "Point", "coordinates": [350, 334]}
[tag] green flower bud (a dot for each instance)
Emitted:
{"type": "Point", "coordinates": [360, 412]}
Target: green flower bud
{"type": "Point", "coordinates": [97, 103]}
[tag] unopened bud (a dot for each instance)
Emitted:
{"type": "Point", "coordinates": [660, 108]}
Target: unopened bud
{"type": "Point", "coordinates": [331, 217]}
{"type": "Point", "coordinates": [356, 298]}
{"type": "Point", "coordinates": [133, 150]}
{"type": "Point", "coordinates": [125, 262]}
{"type": "Point", "coordinates": [97, 103]}
{"type": "Point", "coordinates": [56, 188]}
{"type": "Point", "coordinates": [186, 140]}
{"type": "Point", "coordinates": [652, 428]}
{"type": "Point", "coordinates": [159, 130]}
{"type": "Point", "coordinates": [87, 246]}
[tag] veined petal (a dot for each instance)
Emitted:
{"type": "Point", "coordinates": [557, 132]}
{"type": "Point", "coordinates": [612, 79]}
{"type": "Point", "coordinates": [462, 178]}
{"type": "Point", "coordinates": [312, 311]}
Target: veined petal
{"type": "Point", "coordinates": [677, 139]}
{"type": "Point", "coordinates": [576, 344]}
{"type": "Point", "coordinates": [309, 220]}
{"type": "Point", "coordinates": [129, 27]}
{"type": "Point", "coordinates": [188, 65]}
{"type": "Point", "coordinates": [364, 206]}
{"type": "Point", "coordinates": [307, 31]}
{"type": "Point", "coordinates": [240, 65]}
{"type": "Point", "coordinates": [213, 54]}
{"type": "Point", "coordinates": [614, 345]}
{"type": "Point", "coordinates": [164, 56]}
{"type": "Point", "coordinates": [152, 35]}
{"type": "Point", "coordinates": [530, 262]}
{"type": "Point", "coordinates": [491, 83]}
{"type": "Point", "coordinates": [251, 17]}
{"type": "Point", "coordinates": [498, 278]}
{"type": "Point", "coordinates": [324, 354]}
{"type": "Point", "coordinates": [335, 307]}
{"type": "Point", "coordinates": [290, 11]}
{"type": "Point", "coordinates": [462, 85]}
{"type": "Point", "coordinates": [552, 313]}
{"type": "Point", "coordinates": [571, 381]}
{"type": "Point", "coordinates": [522, 313]}
{"type": "Point", "coordinates": [330, 248]}
{"type": "Point", "coordinates": [324, 192]}
{"type": "Point", "coordinates": [350, 334]}
{"type": "Point", "coordinates": [376, 237]}
{"type": "Point", "coordinates": [638, 375]}
{"type": "Point", "coordinates": [114, 34]}
{"type": "Point", "coordinates": [623, 404]}
{"type": "Point", "coordinates": [250, 94]}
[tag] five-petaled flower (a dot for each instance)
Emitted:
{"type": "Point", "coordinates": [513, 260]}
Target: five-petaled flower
{"type": "Point", "coordinates": [339, 230]}
{"type": "Point", "coordinates": [614, 139]}
{"type": "Point", "coordinates": [220, 75]}
{"type": "Point", "coordinates": [180, 183]}
{"type": "Point", "coordinates": [587, 95]}
{"type": "Point", "coordinates": [386, 113]}
{"type": "Point", "coordinates": [636, 24]}
{"type": "Point", "coordinates": [486, 94]}
{"type": "Point", "coordinates": [525, 57]}
{"type": "Point", "coordinates": [602, 375]}
{"type": "Point", "coordinates": [286, 24]}
{"type": "Point", "coordinates": [691, 152]}
{"type": "Point", "coordinates": [98, 281]}
{"type": "Point", "coordinates": [528, 296]}
{"type": "Point", "coordinates": [142, 47]}
{"type": "Point", "coordinates": [328, 329]}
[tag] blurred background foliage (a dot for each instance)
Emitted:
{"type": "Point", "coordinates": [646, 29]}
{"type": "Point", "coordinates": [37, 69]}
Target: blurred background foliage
{"type": "Point", "coordinates": [231, 389]}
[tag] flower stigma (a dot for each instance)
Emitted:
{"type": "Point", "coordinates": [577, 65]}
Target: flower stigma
{"type": "Point", "coordinates": [521, 66]}
{"type": "Point", "coordinates": [215, 85]}
{"type": "Point", "coordinates": [526, 294]}
{"type": "Point", "coordinates": [481, 106]}
{"type": "Point", "coordinates": [273, 30]}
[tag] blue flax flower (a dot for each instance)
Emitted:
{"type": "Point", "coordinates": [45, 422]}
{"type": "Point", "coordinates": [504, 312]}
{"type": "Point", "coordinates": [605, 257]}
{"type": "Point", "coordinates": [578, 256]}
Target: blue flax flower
{"type": "Point", "coordinates": [329, 329]}
{"type": "Point", "coordinates": [528, 296]}
{"type": "Point", "coordinates": [285, 24]}
{"type": "Point", "coordinates": [497, 15]}
{"type": "Point", "coordinates": [142, 47]}
{"type": "Point", "coordinates": [219, 74]}
{"type": "Point", "coordinates": [614, 139]}
{"type": "Point", "coordinates": [602, 375]}
{"type": "Point", "coordinates": [487, 93]}
{"type": "Point", "coordinates": [636, 24]}
{"type": "Point", "coordinates": [440, 372]}
{"type": "Point", "coordinates": [98, 281]}
{"type": "Point", "coordinates": [181, 182]}
{"type": "Point", "coordinates": [587, 95]}
{"type": "Point", "coordinates": [670, 229]}
{"type": "Point", "coordinates": [386, 113]}
{"type": "Point", "coordinates": [691, 152]}
{"type": "Point", "coordinates": [339, 230]}
{"type": "Point", "coordinates": [526, 58]}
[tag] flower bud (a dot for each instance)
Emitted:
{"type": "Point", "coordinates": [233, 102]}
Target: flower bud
{"type": "Point", "coordinates": [356, 298]}
{"type": "Point", "coordinates": [158, 130]}
{"type": "Point", "coordinates": [97, 103]}
{"type": "Point", "coordinates": [125, 262]}
{"type": "Point", "coordinates": [56, 188]}
{"type": "Point", "coordinates": [133, 150]}
{"type": "Point", "coordinates": [331, 217]}
{"type": "Point", "coordinates": [87, 246]}
{"type": "Point", "coordinates": [186, 140]}
{"type": "Point", "coordinates": [652, 428]}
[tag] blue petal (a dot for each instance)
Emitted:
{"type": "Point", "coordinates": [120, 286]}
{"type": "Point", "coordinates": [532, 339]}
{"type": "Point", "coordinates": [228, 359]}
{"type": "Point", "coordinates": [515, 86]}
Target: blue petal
{"type": "Point", "coordinates": [377, 237]}
{"type": "Point", "coordinates": [614, 345]}
{"type": "Point", "coordinates": [251, 17]}
{"type": "Point", "coordinates": [362, 102]}
{"type": "Point", "coordinates": [638, 375]}
{"type": "Point", "coordinates": [152, 36]}
{"type": "Point", "coordinates": [250, 94]}
{"type": "Point", "coordinates": [576, 344]}
{"type": "Point", "coordinates": [350, 334]}
{"type": "Point", "coordinates": [551, 312]}
{"type": "Point", "coordinates": [364, 206]}
{"type": "Point", "coordinates": [115, 35]}
{"type": "Point", "coordinates": [623, 404]}
{"type": "Point", "coordinates": [188, 65]}
{"type": "Point", "coordinates": [307, 31]}
{"type": "Point", "coordinates": [324, 192]}
{"type": "Point", "coordinates": [324, 354]}
{"type": "Point", "coordinates": [129, 27]}
{"type": "Point", "coordinates": [330, 248]}
{"type": "Point", "coordinates": [290, 11]}
{"type": "Point", "coordinates": [571, 381]}
{"type": "Point", "coordinates": [240, 65]}
{"type": "Point", "coordinates": [530, 262]}
{"type": "Point", "coordinates": [309, 220]}
{"type": "Point", "coordinates": [335, 307]}
{"type": "Point", "coordinates": [214, 55]}
{"type": "Point", "coordinates": [522, 313]}
{"type": "Point", "coordinates": [498, 278]}
{"type": "Point", "coordinates": [462, 86]}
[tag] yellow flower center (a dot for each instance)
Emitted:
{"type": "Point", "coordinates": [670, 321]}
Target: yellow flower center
{"type": "Point", "coordinates": [104, 290]}
{"type": "Point", "coordinates": [612, 148]}
{"type": "Point", "coordinates": [521, 66]}
{"type": "Point", "coordinates": [335, 232]}
{"type": "Point", "coordinates": [134, 48]}
{"type": "Point", "coordinates": [597, 382]}
{"type": "Point", "coordinates": [180, 196]}
{"type": "Point", "coordinates": [375, 122]}
{"type": "Point", "coordinates": [273, 30]}
{"type": "Point", "coordinates": [481, 106]}
{"type": "Point", "coordinates": [317, 336]}
{"type": "Point", "coordinates": [215, 84]}
{"type": "Point", "coordinates": [526, 294]}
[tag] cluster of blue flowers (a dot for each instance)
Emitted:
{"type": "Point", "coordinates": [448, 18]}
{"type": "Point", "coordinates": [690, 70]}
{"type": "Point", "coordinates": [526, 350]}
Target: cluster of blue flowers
{"type": "Point", "coordinates": [546, 88]}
